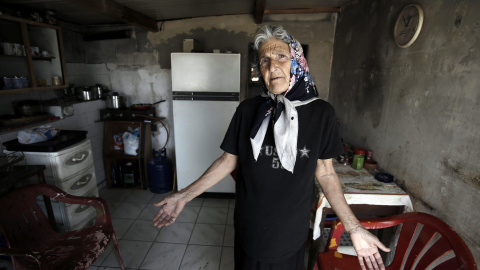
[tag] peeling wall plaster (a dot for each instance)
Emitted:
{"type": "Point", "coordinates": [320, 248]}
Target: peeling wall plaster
{"type": "Point", "coordinates": [417, 108]}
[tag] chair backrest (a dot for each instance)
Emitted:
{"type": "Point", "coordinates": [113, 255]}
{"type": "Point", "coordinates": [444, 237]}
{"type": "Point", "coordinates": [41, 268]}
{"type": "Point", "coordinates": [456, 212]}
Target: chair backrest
{"type": "Point", "coordinates": [424, 242]}
{"type": "Point", "coordinates": [21, 219]}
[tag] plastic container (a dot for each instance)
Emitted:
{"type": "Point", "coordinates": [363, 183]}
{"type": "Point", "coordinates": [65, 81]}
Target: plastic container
{"type": "Point", "coordinates": [160, 172]}
{"type": "Point", "coordinates": [359, 151]}
{"type": "Point", "coordinates": [357, 163]}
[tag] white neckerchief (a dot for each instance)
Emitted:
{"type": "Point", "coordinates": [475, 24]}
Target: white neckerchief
{"type": "Point", "coordinates": [285, 132]}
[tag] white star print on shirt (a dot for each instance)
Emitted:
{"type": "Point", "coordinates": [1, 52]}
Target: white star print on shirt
{"type": "Point", "coordinates": [304, 152]}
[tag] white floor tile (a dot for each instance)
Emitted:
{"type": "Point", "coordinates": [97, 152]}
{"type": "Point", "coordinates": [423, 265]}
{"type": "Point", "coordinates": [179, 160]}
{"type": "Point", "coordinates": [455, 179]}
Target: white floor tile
{"type": "Point", "coordinates": [227, 260]}
{"type": "Point", "coordinates": [228, 241]}
{"type": "Point", "coordinates": [114, 194]}
{"type": "Point", "coordinates": [230, 216]}
{"type": "Point", "coordinates": [112, 206]}
{"type": "Point", "coordinates": [216, 202]}
{"type": "Point", "coordinates": [140, 196]}
{"type": "Point", "coordinates": [158, 197]}
{"type": "Point", "coordinates": [189, 214]}
{"type": "Point", "coordinates": [148, 212]}
{"type": "Point", "coordinates": [208, 235]}
{"type": "Point", "coordinates": [128, 210]}
{"type": "Point", "coordinates": [133, 253]}
{"type": "Point", "coordinates": [142, 230]}
{"type": "Point", "coordinates": [201, 257]}
{"type": "Point", "coordinates": [196, 202]}
{"type": "Point", "coordinates": [176, 233]}
{"type": "Point", "coordinates": [164, 256]}
{"type": "Point", "coordinates": [231, 203]}
{"type": "Point", "coordinates": [121, 226]}
{"type": "Point", "coordinates": [212, 215]}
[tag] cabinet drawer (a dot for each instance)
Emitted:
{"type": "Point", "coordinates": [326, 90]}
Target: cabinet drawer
{"type": "Point", "coordinates": [78, 184]}
{"type": "Point", "coordinates": [65, 163]}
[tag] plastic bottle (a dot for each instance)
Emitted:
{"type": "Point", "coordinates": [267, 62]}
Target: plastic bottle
{"type": "Point", "coordinates": [113, 175]}
{"type": "Point", "coordinates": [129, 174]}
{"type": "Point", "coordinates": [120, 174]}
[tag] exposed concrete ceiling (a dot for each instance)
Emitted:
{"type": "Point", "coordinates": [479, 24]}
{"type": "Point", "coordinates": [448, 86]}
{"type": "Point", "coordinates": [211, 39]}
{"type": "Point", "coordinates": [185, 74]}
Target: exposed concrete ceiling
{"type": "Point", "coordinates": [146, 13]}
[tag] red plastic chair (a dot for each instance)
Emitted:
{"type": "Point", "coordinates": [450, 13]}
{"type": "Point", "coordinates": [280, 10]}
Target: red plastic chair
{"type": "Point", "coordinates": [33, 244]}
{"type": "Point", "coordinates": [425, 242]}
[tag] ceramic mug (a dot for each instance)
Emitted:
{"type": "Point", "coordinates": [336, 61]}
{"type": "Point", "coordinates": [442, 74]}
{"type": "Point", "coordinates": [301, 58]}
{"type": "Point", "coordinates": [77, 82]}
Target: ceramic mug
{"type": "Point", "coordinates": [7, 48]}
{"type": "Point", "coordinates": [19, 49]}
{"type": "Point", "coordinates": [35, 51]}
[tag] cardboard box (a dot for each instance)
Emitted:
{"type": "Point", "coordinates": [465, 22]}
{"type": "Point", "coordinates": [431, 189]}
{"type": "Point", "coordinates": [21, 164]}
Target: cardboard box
{"type": "Point", "coordinates": [190, 45]}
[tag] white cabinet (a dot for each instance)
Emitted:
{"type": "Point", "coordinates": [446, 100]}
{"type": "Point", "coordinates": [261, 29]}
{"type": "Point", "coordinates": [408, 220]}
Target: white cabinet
{"type": "Point", "coordinates": [72, 170]}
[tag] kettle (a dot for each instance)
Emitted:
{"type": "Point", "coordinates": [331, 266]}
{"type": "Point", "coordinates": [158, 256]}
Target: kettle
{"type": "Point", "coordinates": [98, 91]}
{"type": "Point", "coordinates": [115, 101]}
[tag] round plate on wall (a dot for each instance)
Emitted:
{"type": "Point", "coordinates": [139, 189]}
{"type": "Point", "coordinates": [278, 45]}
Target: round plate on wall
{"type": "Point", "coordinates": [408, 25]}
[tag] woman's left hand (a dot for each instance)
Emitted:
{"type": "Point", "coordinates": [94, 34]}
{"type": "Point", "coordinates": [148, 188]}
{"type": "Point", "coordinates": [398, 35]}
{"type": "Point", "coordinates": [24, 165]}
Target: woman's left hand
{"type": "Point", "coordinates": [366, 245]}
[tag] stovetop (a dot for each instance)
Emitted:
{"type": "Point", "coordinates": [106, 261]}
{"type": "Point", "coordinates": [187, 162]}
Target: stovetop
{"type": "Point", "coordinates": [126, 114]}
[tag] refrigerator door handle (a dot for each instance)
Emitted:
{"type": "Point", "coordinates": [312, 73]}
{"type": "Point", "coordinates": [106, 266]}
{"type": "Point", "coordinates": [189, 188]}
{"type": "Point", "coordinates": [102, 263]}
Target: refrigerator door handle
{"type": "Point", "coordinates": [212, 96]}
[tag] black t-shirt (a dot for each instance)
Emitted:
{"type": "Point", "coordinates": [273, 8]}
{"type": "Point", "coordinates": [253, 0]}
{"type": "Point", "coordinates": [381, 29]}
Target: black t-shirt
{"type": "Point", "coordinates": [272, 211]}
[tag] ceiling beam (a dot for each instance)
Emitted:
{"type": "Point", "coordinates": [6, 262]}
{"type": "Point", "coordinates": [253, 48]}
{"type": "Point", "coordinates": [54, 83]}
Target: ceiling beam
{"type": "Point", "coordinates": [259, 11]}
{"type": "Point", "coordinates": [115, 10]}
{"type": "Point", "coordinates": [301, 10]}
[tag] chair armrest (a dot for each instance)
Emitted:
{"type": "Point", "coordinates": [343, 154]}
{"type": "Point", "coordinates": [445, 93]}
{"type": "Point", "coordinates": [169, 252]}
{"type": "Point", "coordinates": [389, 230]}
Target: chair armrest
{"type": "Point", "coordinates": [103, 214]}
{"type": "Point", "coordinates": [100, 205]}
{"type": "Point", "coordinates": [16, 252]}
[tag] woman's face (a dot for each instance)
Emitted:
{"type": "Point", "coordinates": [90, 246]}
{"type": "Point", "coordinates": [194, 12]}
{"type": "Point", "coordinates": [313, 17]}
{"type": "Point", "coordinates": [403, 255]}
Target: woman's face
{"type": "Point", "coordinates": [275, 62]}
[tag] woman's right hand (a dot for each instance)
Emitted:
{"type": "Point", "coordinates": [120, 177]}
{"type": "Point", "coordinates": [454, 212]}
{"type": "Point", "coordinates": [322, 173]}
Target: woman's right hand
{"type": "Point", "coordinates": [171, 207]}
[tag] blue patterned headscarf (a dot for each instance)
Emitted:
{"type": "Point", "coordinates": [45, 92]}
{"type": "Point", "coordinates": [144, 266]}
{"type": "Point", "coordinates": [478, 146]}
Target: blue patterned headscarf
{"type": "Point", "coordinates": [300, 73]}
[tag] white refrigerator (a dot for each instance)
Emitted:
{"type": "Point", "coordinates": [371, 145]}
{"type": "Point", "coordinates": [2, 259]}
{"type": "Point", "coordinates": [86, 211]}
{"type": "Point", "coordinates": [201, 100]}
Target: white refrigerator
{"type": "Point", "coordinates": [206, 89]}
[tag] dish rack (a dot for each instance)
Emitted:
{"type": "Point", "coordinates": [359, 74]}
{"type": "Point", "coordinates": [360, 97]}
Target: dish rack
{"type": "Point", "coordinates": [8, 160]}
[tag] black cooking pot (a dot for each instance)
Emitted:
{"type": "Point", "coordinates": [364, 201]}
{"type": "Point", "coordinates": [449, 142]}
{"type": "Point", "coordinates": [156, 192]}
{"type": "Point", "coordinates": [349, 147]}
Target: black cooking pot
{"type": "Point", "coordinates": [27, 107]}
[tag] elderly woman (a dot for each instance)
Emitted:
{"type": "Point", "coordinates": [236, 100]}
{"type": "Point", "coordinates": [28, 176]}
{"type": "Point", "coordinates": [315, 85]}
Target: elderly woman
{"type": "Point", "coordinates": [282, 141]}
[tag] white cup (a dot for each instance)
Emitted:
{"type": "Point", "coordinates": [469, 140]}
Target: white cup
{"type": "Point", "coordinates": [7, 48]}
{"type": "Point", "coordinates": [35, 51]}
{"type": "Point", "coordinates": [19, 49]}
{"type": "Point", "coordinates": [45, 53]}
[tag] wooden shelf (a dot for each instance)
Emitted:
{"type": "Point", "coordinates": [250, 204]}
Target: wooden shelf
{"type": "Point", "coordinates": [31, 33]}
{"type": "Point", "coordinates": [111, 155]}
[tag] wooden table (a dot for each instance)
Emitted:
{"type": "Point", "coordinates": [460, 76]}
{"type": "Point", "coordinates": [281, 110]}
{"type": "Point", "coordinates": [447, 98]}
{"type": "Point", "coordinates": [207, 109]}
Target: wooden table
{"type": "Point", "coordinates": [365, 195]}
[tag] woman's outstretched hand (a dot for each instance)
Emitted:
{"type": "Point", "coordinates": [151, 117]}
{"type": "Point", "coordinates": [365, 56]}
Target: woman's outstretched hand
{"type": "Point", "coordinates": [366, 245]}
{"type": "Point", "coordinates": [171, 207]}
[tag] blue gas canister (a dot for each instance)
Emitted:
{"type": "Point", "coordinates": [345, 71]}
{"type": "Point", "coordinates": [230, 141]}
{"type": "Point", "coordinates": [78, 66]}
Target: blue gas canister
{"type": "Point", "coordinates": [160, 172]}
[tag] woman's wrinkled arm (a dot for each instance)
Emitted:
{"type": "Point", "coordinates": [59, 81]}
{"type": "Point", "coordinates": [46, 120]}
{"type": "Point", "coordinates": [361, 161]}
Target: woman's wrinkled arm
{"type": "Point", "coordinates": [366, 245]}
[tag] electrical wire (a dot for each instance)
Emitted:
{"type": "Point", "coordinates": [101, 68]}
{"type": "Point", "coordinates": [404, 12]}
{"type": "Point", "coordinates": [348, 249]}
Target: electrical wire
{"type": "Point", "coordinates": [156, 119]}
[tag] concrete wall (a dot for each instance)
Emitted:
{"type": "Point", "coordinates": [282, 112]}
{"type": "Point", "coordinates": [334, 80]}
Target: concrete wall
{"type": "Point", "coordinates": [139, 66]}
{"type": "Point", "coordinates": [416, 108]}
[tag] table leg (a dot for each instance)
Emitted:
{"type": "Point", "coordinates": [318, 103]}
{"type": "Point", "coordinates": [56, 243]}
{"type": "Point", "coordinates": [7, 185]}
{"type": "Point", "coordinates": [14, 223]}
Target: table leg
{"type": "Point", "coordinates": [48, 203]}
